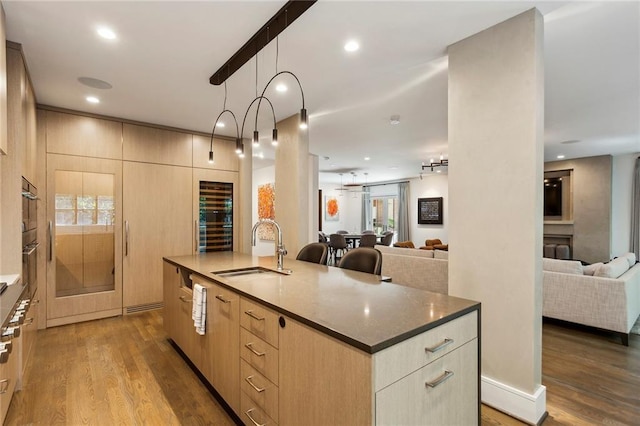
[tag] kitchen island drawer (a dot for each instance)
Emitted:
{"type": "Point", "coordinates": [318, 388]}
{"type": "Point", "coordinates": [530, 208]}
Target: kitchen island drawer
{"type": "Point", "coordinates": [253, 415]}
{"type": "Point", "coordinates": [260, 389]}
{"type": "Point", "coordinates": [393, 363]}
{"type": "Point", "coordinates": [259, 320]}
{"type": "Point", "coordinates": [259, 354]}
{"type": "Point", "coordinates": [445, 392]}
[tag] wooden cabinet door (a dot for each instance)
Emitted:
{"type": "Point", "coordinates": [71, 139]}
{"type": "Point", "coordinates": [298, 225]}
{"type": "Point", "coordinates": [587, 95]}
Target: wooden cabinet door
{"type": "Point", "coordinates": [444, 392]}
{"type": "Point", "coordinates": [83, 246]}
{"type": "Point", "coordinates": [30, 152]}
{"type": "Point", "coordinates": [311, 366]}
{"type": "Point", "coordinates": [222, 363]}
{"type": "Point", "coordinates": [171, 285]}
{"type": "Point", "coordinates": [157, 222]}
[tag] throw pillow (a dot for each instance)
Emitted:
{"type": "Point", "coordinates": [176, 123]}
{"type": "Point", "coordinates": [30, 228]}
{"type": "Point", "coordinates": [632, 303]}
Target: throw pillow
{"type": "Point", "coordinates": [591, 269]}
{"type": "Point", "coordinates": [441, 254]}
{"type": "Point", "coordinates": [405, 244]}
{"type": "Point", "coordinates": [563, 266]}
{"type": "Point", "coordinates": [613, 269]}
{"type": "Point", "coordinates": [631, 258]}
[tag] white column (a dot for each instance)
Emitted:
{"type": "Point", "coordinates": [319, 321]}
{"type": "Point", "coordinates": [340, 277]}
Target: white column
{"type": "Point", "coordinates": [292, 184]}
{"type": "Point", "coordinates": [496, 111]}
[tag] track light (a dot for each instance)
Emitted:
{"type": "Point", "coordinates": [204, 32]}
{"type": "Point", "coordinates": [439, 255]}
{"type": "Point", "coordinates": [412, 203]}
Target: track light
{"type": "Point", "coordinates": [210, 157]}
{"type": "Point", "coordinates": [274, 137]}
{"type": "Point", "coordinates": [443, 162]}
{"type": "Point", "coordinates": [256, 138]}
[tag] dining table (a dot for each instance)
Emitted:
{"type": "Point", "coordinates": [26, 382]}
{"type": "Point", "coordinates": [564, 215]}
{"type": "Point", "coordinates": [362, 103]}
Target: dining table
{"type": "Point", "coordinates": [354, 238]}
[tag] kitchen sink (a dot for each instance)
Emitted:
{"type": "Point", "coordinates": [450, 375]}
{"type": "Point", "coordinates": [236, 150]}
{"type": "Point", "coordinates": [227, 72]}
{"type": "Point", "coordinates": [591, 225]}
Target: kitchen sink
{"type": "Point", "coordinates": [244, 272]}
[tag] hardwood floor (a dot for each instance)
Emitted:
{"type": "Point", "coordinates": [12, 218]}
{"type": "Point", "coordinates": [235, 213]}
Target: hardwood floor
{"type": "Point", "coordinates": [112, 371]}
{"type": "Point", "coordinates": [123, 371]}
{"type": "Point", "coordinates": [591, 378]}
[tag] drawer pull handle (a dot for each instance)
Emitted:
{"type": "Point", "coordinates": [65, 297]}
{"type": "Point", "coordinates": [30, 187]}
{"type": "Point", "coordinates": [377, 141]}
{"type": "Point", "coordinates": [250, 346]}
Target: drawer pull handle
{"type": "Point", "coordinates": [5, 386]}
{"type": "Point", "coordinates": [248, 413]}
{"type": "Point", "coordinates": [257, 389]}
{"type": "Point", "coordinates": [442, 345]}
{"type": "Point", "coordinates": [254, 316]}
{"type": "Point", "coordinates": [445, 376]}
{"type": "Point", "coordinates": [185, 300]}
{"type": "Point", "coordinates": [250, 347]}
{"type": "Point", "coordinates": [222, 299]}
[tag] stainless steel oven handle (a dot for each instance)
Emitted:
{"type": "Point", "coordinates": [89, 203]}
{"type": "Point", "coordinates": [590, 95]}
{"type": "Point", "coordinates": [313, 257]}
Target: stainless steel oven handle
{"type": "Point", "coordinates": [50, 241]}
{"type": "Point", "coordinates": [29, 249]}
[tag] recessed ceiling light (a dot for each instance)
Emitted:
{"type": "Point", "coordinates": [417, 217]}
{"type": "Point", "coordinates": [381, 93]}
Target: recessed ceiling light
{"type": "Point", "coordinates": [219, 124]}
{"type": "Point", "coordinates": [560, 157]}
{"type": "Point", "coordinates": [281, 87]}
{"type": "Point", "coordinates": [393, 168]}
{"type": "Point", "coordinates": [93, 100]}
{"type": "Point", "coordinates": [395, 119]}
{"type": "Point", "coordinates": [351, 46]}
{"type": "Point", "coordinates": [367, 158]}
{"type": "Point", "coordinates": [106, 33]}
{"type": "Point", "coordinates": [334, 165]}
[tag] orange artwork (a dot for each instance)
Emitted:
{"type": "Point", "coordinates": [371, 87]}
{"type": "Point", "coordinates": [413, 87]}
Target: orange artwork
{"type": "Point", "coordinates": [266, 209]}
{"type": "Point", "coordinates": [332, 211]}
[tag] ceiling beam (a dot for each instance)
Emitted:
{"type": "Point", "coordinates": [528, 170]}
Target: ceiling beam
{"type": "Point", "coordinates": [274, 26]}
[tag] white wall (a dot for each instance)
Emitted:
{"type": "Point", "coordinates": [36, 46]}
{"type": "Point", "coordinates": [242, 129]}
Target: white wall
{"type": "Point", "coordinates": [433, 185]}
{"type": "Point", "coordinates": [260, 177]}
{"type": "Point", "coordinates": [621, 196]}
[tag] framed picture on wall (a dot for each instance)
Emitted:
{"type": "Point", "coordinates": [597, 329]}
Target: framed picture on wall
{"type": "Point", "coordinates": [430, 211]}
{"type": "Point", "coordinates": [332, 210]}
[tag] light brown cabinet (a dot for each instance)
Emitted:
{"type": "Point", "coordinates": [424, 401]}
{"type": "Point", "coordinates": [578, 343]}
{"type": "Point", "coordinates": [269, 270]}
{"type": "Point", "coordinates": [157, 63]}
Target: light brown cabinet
{"type": "Point", "coordinates": [221, 362]}
{"type": "Point", "coordinates": [28, 333]}
{"type": "Point", "coordinates": [83, 136]}
{"type": "Point", "coordinates": [157, 222]}
{"type": "Point", "coordinates": [3, 83]}
{"type": "Point", "coordinates": [158, 146]}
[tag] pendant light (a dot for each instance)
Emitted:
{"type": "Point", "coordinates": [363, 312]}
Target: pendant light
{"type": "Point", "coordinates": [215, 124]}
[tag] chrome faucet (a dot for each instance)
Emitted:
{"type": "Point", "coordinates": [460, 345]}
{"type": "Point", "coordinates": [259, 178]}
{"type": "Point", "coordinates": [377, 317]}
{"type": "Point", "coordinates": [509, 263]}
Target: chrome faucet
{"type": "Point", "coordinates": [282, 252]}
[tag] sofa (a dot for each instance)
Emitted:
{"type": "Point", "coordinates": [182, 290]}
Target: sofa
{"type": "Point", "coordinates": [423, 269]}
{"type": "Point", "coordinates": [602, 295]}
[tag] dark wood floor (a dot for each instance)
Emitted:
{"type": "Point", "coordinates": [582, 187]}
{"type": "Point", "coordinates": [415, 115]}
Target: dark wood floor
{"type": "Point", "coordinates": [123, 371]}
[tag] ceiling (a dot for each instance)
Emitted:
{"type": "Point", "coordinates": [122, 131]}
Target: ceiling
{"type": "Point", "coordinates": [165, 52]}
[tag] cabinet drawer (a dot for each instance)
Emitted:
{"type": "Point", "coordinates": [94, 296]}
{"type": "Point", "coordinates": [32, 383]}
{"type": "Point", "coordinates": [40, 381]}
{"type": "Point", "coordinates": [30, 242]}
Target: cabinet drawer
{"type": "Point", "coordinates": [260, 321]}
{"type": "Point", "coordinates": [444, 392]}
{"type": "Point", "coordinates": [259, 354]}
{"type": "Point", "coordinates": [265, 393]}
{"type": "Point", "coordinates": [253, 415]}
{"type": "Point", "coordinates": [393, 363]}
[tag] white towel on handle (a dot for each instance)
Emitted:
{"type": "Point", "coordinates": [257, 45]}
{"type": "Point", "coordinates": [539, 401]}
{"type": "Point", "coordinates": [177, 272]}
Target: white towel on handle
{"type": "Point", "coordinates": [199, 309]}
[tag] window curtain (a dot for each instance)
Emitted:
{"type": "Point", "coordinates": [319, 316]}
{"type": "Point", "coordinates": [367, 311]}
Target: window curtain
{"type": "Point", "coordinates": [635, 211]}
{"type": "Point", "coordinates": [403, 212]}
{"type": "Point", "coordinates": [365, 223]}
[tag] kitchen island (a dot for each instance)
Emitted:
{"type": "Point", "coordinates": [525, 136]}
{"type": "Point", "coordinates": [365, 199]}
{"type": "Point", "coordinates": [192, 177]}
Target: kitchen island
{"type": "Point", "coordinates": [324, 345]}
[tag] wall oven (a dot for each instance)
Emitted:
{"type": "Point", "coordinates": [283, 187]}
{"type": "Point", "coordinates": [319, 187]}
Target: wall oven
{"type": "Point", "coordinates": [29, 236]}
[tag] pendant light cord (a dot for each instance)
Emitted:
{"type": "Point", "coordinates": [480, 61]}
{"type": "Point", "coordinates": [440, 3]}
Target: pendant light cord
{"type": "Point", "coordinates": [224, 105]}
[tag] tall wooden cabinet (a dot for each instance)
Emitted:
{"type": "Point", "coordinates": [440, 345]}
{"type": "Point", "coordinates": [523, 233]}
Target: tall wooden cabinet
{"type": "Point", "coordinates": [157, 222]}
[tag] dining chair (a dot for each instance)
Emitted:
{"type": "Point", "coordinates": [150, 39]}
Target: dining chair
{"type": "Point", "coordinates": [342, 231]}
{"type": "Point", "coordinates": [368, 240]}
{"type": "Point", "coordinates": [322, 237]}
{"type": "Point", "coordinates": [368, 231]}
{"type": "Point", "coordinates": [387, 238]}
{"type": "Point", "coordinates": [314, 253]}
{"type": "Point", "coordinates": [363, 259]}
{"type": "Point", "coordinates": [337, 242]}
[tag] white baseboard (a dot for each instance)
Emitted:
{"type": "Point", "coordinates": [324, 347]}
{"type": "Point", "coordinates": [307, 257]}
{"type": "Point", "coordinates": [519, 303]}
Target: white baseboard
{"type": "Point", "coordinates": [530, 408]}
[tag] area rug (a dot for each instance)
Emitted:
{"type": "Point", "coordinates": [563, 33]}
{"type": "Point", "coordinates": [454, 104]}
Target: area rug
{"type": "Point", "coordinates": [636, 327]}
